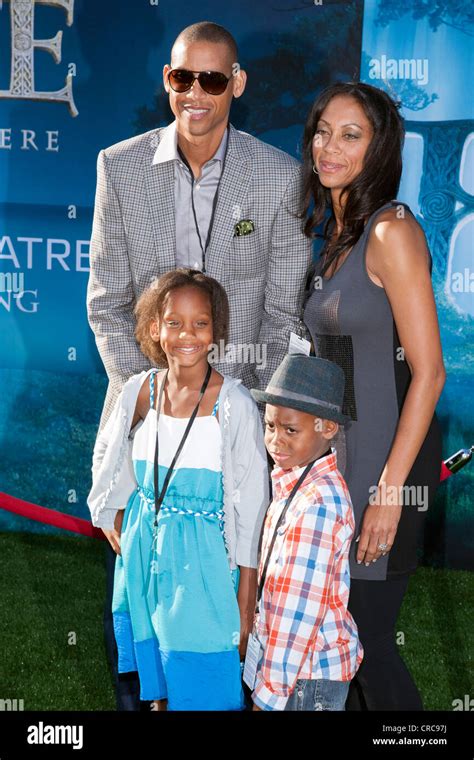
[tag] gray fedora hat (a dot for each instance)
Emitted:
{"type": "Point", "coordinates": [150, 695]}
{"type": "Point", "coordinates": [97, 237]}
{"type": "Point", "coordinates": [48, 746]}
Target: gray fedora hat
{"type": "Point", "coordinates": [308, 384]}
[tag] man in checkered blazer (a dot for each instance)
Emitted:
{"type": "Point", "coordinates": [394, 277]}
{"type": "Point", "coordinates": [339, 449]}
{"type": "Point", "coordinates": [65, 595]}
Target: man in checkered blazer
{"type": "Point", "coordinates": [197, 193]}
{"type": "Point", "coordinates": [140, 227]}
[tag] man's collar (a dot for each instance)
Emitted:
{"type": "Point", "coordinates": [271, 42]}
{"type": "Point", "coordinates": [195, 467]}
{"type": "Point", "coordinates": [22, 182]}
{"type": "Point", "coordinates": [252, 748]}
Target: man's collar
{"type": "Point", "coordinates": [284, 480]}
{"type": "Point", "coordinates": [167, 149]}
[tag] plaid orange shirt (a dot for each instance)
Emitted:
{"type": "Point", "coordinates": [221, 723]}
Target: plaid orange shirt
{"type": "Point", "coordinates": [303, 623]}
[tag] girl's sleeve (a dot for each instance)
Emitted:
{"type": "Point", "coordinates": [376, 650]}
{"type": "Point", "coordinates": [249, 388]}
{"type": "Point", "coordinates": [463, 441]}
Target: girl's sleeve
{"type": "Point", "coordinates": [251, 476]}
{"type": "Point", "coordinates": [113, 478]}
{"type": "Point", "coordinates": [103, 437]}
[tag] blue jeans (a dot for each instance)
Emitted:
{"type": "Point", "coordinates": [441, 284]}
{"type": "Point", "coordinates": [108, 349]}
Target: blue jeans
{"type": "Point", "coordinates": [318, 694]}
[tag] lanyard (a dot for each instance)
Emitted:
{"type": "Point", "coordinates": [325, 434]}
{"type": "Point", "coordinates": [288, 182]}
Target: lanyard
{"type": "Point", "coordinates": [279, 522]}
{"type": "Point", "coordinates": [214, 203]}
{"type": "Point", "coordinates": [159, 498]}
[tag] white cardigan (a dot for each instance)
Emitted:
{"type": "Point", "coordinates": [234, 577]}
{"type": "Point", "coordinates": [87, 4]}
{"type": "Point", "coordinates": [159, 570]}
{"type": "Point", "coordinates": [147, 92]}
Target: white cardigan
{"type": "Point", "coordinates": [244, 467]}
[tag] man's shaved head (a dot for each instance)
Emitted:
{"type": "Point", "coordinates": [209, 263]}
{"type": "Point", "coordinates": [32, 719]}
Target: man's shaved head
{"type": "Point", "coordinates": [207, 31]}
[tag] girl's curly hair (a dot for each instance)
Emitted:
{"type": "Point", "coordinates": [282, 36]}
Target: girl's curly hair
{"type": "Point", "coordinates": [150, 307]}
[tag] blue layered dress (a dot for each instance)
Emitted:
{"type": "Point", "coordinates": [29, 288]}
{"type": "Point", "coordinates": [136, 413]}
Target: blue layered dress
{"type": "Point", "coordinates": [175, 611]}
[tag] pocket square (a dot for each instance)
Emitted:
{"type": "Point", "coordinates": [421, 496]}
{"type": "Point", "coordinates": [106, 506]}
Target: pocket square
{"type": "Point", "coordinates": [244, 227]}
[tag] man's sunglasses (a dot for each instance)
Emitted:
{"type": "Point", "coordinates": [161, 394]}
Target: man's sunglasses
{"type": "Point", "coordinates": [212, 82]}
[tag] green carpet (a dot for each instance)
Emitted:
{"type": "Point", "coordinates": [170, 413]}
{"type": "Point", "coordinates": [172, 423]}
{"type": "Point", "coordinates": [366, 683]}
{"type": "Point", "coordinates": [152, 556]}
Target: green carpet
{"type": "Point", "coordinates": [51, 636]}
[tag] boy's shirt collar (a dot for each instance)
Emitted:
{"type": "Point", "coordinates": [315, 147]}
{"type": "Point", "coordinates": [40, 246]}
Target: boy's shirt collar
{"type": "Point", "coordinates": [284, 480]}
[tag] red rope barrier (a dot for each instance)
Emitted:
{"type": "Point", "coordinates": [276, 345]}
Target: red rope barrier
{"type": "Point", "coordinates": [50, 516]}
{"type": "Point", "coordinates": [77, 524]}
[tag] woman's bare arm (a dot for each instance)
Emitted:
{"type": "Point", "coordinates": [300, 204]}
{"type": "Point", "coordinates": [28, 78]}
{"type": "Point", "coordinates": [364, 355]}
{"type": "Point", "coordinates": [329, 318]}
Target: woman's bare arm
{"type": "Point", "coordinates": [397, 257]}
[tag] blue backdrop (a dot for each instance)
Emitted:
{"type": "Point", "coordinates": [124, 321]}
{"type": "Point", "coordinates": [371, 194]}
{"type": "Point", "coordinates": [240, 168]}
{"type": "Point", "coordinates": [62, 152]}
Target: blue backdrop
{"type": "Point", "coordinates": [99, 82]}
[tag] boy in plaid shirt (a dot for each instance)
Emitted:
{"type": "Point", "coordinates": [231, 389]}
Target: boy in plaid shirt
{"type": "Point", "coordinates": [305, 641]}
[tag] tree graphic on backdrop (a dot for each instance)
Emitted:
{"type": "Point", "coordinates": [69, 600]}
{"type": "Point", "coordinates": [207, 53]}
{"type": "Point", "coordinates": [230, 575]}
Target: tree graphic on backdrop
{"type": "Point", "coordinates": [459, 14]}
{"type": "Point", "coordinates": [405, 91]}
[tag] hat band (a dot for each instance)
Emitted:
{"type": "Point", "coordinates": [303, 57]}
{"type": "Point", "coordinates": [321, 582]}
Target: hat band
{"type": "Point", "coordinates": [300, 397]}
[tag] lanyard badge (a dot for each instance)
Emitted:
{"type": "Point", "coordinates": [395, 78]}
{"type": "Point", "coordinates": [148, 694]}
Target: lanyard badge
{"type": "Point", "coordinates": [252, 659]}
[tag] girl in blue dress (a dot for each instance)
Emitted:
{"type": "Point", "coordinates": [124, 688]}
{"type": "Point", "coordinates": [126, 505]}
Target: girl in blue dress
{"type": "Point", "coordinates": [186, 446]}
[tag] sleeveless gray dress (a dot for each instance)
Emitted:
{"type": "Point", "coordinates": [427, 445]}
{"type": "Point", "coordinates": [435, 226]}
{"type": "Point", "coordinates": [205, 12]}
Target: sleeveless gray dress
{"type": "Point", "coordinates": [351, 323]}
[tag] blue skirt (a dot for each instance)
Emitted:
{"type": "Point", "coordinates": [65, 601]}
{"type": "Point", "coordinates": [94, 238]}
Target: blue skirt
{"type": "Point", "coordinates": [175, 610]}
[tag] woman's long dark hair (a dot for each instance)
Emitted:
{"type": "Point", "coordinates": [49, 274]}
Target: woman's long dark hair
{"type": "Point", "coordinates": [376, 184]}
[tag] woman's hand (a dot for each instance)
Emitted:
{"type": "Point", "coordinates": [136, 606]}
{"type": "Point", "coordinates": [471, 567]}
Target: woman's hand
{"type": "Point", "coordinates": [379, 527]}
{"type": "Point", "coordinates": [113, 536]}
{"type": "Point", "coordinates": [255, 708]}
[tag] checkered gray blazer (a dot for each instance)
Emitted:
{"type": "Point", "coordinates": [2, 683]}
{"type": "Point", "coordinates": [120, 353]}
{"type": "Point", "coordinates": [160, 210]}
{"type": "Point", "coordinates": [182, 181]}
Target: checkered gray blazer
{"type": "Point", "coordinates": [133, 242]}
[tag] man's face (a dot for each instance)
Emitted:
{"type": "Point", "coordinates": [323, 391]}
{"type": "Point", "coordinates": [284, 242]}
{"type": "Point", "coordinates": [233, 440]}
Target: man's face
{"type": "Point", "coordinates": [198, 113]}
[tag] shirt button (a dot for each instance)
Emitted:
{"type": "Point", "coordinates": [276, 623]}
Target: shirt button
{"type": "Point", "coordinates": [198, 187]}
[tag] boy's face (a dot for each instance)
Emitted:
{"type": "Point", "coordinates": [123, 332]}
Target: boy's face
{"type": "Point", "coordinates": [293, 438]}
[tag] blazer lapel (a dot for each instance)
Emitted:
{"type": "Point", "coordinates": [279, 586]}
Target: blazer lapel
{"type": "Point", "coordinates": [159, 183]}
{"type": "Point", "coordinates": [233, 190]}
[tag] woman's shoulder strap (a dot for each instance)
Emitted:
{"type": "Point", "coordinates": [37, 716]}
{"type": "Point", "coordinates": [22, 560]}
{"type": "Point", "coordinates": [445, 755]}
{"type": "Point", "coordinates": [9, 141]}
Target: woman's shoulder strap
{"type": "Point", "coordinates": [400, 206]}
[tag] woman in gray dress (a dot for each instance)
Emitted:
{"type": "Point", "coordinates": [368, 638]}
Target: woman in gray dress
{"type": "Point", "coordinates": [371, 309]}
